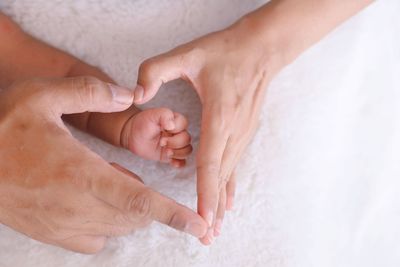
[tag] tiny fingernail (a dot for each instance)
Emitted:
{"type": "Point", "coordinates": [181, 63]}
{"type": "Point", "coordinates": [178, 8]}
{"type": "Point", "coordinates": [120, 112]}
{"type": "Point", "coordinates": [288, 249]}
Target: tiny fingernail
{"type": "Point", "coordinates": [209, 218]}
{"type": "Point", "coordinates": [176, 164]}
{"type": "Point", "coordinates": [170, 153]}
{"type": "Point", "coordinates": [120, 94]}
{"type": "Point", "coordinates": [218, 227]}
{"type": "Point", "coordinates": [170, 125]}
{"type": "Point", "coordinates": [163, 142]}
{"type": "Point", "coordinates": [139, 93]}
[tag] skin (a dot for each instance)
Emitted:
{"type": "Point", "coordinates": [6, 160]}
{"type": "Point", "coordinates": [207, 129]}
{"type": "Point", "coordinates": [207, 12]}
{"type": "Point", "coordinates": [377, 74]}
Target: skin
{"type": "Point", "coordinates": [107, 126]}
{"type": "Point", "coordinates": [52, 188]}
{"type": "Point", "coordinates": [63, 193]}
{"type": "Point", "coordinates": [230, 70]}
{"type": "Point", "coordinates": [158, 134]}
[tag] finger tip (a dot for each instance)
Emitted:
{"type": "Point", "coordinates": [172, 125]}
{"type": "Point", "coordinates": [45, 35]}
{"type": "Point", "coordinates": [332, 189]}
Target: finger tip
{"type": "Point", "coordinates": [229, 204]}
{"type": "Point", "coordinates": [182, 164]}
{"type": "Point", "coordinates": [170, 126]}
{"type": "Point", "coordinates": [163, 142]}
{"type": "Point", "coordinates": [208, 238]}
{"type": "Point", "coordinates": [218, 227]}
{"type": "Point", "coordinates": [138, 93]}
{"type": "Point", "coordinates": [205, 241]}
{"type": "Point", "coordinates": [216, 232]}
{"type": "Point", "coordinates": [197, 228]}
{"type": "Point", "coordinates": [170, 153]}
{"type": "Point", "coordinates": [177, 165]}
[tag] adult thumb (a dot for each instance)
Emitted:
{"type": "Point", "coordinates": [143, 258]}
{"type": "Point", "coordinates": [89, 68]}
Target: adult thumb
{"type": "Point", "coordinates": [80, 94]}
{"type": "Point", "coordinates": [154, 72]}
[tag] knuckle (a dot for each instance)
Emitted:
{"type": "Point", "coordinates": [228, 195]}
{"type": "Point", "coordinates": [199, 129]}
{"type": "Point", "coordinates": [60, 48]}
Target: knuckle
{"type": "Point", "coordinates": [146, 68]}
{"type": "Point", "coordinates": [88, 81]}
{"type": "Point", "coordinates": [123, 219]}
{"type": "Point", "coordinates": [175, 221]}
{"type": "Point", "coordinates": [139, 204]}
{"type": "Point", "coordinates": [188, 138]}
{"type": "Point", "coordinates": [182, 119]}
{"type": "Point", "coordinates": [166, 112]}
{"type": "Point", "coordinates": [211, 169]}
{"type": "Point", "coordinates": [85, 87]}
{"type": "Point", "coordinates": [129, 219]}
{"type": "Point", "coordinates": [189, 149]}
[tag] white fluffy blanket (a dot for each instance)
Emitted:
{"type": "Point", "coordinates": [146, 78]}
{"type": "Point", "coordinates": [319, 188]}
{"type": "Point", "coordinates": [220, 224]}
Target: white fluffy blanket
{"type": "Point", "coordinates": [318, 186]}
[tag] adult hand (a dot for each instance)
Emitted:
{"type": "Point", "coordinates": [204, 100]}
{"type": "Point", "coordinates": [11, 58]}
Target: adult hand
{"type": "Point", "coordinates": [57, 191]}
{"type": "Point", "coordinates": [230, 75]}
{"type": "Point", "coordinates": [230, 70]}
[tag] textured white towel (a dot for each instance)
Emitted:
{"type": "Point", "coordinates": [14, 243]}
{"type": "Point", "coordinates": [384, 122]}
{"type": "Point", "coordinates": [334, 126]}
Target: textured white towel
{"type": "Point", "coordinates": [319, 185]}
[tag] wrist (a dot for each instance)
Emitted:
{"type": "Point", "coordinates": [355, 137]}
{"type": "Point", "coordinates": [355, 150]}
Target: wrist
{"type": "Point", "coordinates": [263, 42]}
{"type": "Point", "coordinates": [111, 127]}
{"type": "Point", "coordinates": [286, 28]}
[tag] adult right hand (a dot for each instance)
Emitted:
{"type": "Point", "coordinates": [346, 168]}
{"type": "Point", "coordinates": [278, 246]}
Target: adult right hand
{"type": "Point", "coordinates": [55, 190]}
{"type": "Point", "coordinates": [230, 70]}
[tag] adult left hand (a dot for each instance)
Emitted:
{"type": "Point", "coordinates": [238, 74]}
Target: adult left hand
{"type": "Point", "coordinates": [54, 189]}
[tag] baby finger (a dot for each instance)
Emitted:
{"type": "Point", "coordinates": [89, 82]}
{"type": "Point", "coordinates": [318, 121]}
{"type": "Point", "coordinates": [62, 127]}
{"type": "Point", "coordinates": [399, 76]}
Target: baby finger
{"type": "Point", "coordinates": [181, 123]}
{"type": "Point", "coordinates": [177, 141]}
{"type": "Point", "coordinates": [182, 153]}
{"type": "Point", "coordinates": [177, 163]}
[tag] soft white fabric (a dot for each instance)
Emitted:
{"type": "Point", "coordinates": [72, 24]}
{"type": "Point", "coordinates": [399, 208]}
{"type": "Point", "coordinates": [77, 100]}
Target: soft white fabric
{"type": "Point", "coordinates": [319, 185]}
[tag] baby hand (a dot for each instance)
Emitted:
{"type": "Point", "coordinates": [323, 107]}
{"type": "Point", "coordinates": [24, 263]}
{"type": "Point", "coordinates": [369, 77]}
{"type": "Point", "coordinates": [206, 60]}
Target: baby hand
{"type": "Point", "coordinates": [158, 134]}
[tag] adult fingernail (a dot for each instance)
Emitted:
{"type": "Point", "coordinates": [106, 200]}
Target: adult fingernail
{"type": "Point", "coordinates": [210, 218]}
{"type": "Point", "coordinates": [195, 229]}
{"type": "Point", "coordinates": [120, 94]}
{"type": "Point", "coordinates": [218, 227]}
{"type": "Point", "coordinates": [139, 93]}
{"type": "Point", "coordinates": [210, 235]}
{"type": "Point", "coordinates": [229, 203]}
